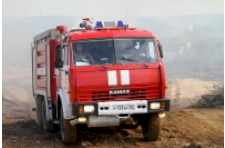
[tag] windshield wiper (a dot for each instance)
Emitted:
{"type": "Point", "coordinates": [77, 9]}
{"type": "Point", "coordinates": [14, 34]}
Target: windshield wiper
{"type": "Point", "coordinates": [146, 66]}
{"type": "Point", "coordinates": [103, 66]}
{"type": "Point", "coordinates": [128, 59]}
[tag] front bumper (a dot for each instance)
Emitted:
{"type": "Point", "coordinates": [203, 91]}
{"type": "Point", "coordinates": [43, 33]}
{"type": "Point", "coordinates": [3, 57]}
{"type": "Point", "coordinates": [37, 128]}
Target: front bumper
{"type": "Point", "coordinates": [122, 107]}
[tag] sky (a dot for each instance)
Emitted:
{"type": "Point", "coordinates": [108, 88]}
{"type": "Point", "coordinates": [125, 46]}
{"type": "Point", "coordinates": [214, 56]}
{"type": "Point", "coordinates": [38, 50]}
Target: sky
{"type": "Point", "coordinates": [109, 8]}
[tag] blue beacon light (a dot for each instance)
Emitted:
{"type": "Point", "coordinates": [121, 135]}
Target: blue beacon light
{"type": "Point", "coordinates": [99, 24]}
{"type": "Point", "coordinates": [120, 23]}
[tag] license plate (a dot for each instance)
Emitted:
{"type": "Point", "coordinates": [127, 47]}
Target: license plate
{"type": "Point", "coordinates": [123, 107]}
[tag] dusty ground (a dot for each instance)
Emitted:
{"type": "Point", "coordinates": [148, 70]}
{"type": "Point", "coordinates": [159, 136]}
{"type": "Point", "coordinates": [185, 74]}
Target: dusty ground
{"type": "Point", "coordinates": [180, 128]}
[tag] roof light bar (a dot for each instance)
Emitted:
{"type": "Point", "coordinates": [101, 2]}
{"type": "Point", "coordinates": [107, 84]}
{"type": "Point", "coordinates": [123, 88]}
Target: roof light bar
{"type": "Point", "coordinates": [90, 24]}
{"type": "Point", "coordinates": [109, 24]}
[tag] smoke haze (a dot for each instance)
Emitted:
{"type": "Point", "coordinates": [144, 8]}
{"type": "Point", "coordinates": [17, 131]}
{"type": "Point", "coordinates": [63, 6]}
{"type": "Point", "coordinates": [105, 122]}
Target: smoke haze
{"type": "Point", "coordinates": [191, 32]}
{"type": "Point", "coordinates": [193, 44]}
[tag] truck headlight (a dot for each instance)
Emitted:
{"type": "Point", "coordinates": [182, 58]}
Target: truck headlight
{"type": "Point", "coordinates": [155, 105]}
{"type": "Point", "coordinates": [89, 108]}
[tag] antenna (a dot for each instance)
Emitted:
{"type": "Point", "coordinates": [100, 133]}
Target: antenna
{"type": "Point", "coordinates": [127, 15]}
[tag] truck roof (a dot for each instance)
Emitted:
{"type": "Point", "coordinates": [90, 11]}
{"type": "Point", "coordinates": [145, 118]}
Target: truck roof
{"type": "Point", "coordinates": [48, 34]}
{"type": "Point", "coordinates": [111, 33]}
{"type": "Point", "coordinates": [99, 33]}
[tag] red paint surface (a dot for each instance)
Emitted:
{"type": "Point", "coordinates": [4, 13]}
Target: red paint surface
{"type": "Point", "coordinates": [86, 82]}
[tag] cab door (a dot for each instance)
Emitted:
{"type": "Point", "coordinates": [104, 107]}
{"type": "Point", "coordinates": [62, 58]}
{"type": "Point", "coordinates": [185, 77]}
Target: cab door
{"type": "Point", "coordinates": [65, 70]}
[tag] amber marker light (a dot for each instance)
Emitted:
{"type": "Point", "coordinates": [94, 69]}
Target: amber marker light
{"type": "Point", "coordinates": [81, 109]}
{"type": "Point", "coordinates": [163, 105]}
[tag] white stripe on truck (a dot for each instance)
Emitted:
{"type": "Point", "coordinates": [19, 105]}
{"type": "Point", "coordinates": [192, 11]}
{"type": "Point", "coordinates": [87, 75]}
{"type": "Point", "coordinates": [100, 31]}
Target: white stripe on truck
{"type": "Point", "coordinates": [112, 78]}
{"type": "Point", "coordinates": [125, 77]}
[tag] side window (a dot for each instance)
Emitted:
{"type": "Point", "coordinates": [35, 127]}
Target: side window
{"type": "Point", "coordinates": [65, 55]}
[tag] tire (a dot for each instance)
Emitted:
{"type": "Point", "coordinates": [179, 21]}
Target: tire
{"type": "Point", "coordinates": [47, 125]}
{"type": "Point", "coordinates": [45, 122]}
{"type": "Point", "coordinates": [151, 127]}
{"type": "Point", "coordinates": [68, 133]}
{"type": "Point", "coordinates": [39, 112]}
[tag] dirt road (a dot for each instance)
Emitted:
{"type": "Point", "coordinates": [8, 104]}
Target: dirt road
{"type": "Point", "coordinates": [180, 128]}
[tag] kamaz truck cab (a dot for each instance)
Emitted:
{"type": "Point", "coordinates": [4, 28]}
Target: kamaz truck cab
{"type": "Point", "coordinates": [103, 74]}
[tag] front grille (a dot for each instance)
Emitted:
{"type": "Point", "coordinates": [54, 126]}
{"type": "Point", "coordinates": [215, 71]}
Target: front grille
{"type": "Point", "coordinates": [133, 95]}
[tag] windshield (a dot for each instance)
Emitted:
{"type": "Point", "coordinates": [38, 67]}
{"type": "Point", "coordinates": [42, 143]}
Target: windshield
{"type": "Point", "coordinates": [113, 51]}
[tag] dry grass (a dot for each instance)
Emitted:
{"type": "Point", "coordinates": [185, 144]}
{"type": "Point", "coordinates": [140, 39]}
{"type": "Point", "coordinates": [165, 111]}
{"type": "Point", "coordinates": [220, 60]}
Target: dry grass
{"type": "Point", "coordinates": [213, 99]}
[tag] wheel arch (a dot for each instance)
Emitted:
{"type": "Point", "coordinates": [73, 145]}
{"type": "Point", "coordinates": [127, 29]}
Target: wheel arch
{"type": "Point", "coordinates": [64, 102]}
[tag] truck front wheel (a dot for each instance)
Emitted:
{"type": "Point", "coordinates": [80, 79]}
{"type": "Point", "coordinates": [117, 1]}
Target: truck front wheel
{"type": "Point", "coordinates": [150, 127]}
{"type": "Point", "coordinates": [68, 133]}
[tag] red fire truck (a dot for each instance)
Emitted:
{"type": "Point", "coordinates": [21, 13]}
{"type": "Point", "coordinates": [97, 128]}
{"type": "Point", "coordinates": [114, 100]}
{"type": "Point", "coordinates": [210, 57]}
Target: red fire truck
{"type": "Point", "coordinates": [102, 74]}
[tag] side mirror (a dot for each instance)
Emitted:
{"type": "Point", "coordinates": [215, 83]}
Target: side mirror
{"type": "Point", "coordinates": [160, 49]}
{"type": "Point", "coordinates": [58, 57]}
